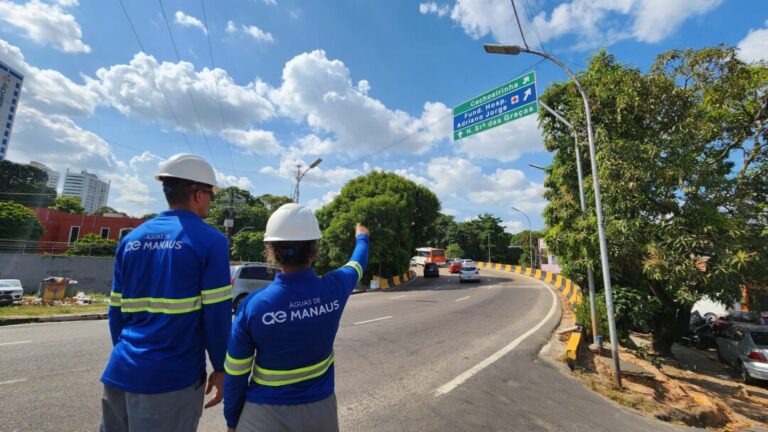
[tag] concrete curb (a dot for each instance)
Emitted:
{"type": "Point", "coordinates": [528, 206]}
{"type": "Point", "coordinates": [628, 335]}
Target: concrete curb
{"type": "Point", "coordinates": [568, 288]}
{"type": "Point", "coordinates": [12, 320]}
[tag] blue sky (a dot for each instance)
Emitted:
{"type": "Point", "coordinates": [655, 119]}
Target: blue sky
{"type": "Point", "coordinates": [365, 85]}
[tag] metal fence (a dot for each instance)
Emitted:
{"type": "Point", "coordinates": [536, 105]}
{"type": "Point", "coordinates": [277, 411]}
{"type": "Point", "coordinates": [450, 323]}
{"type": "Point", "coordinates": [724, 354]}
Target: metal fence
{"type": "Point", "coordinates": [51, 248]}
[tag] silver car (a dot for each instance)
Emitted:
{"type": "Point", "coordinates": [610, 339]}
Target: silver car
{"type": "Point", "coordinates": [746, 348]}
{"type": "Point", "coordinates": [11, 291]}
{"type": "Point", "coordinates": [248, 278]}
{"type": "Point", "coordinates": [469, 272]}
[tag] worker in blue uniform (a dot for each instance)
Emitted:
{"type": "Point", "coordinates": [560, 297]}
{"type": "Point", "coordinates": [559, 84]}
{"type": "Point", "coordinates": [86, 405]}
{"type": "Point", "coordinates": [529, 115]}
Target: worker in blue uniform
{"type": "Point", "coordinates": [171, 302]}
{"type": "Point", "coordinates": [279, 364]}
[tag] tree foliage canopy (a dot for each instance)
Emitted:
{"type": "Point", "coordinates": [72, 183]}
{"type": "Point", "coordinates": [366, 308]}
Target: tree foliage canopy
{"type": "Point", "coordinates": [25, 185]}
{"type": "Point", "coordinates": [18, 222]}
{"type": "Point", "coordinates": [68, 204]}
{"type": "Point", "coordinates": [682, 158]}
{"type": "Point", "coordinates": [399, 214]}
{"type": "Point", "coordinates": [248, 246]}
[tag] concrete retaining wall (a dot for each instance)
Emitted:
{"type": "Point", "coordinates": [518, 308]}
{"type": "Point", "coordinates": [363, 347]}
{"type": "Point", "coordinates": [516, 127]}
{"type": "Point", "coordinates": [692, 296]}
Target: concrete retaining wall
{"type": "Point", "coordinates": [93, 273]}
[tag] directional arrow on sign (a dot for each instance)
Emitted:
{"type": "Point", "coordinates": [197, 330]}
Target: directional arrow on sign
{"type": "Point", "coordinates": [527, 79]}
{"type": "Point", "coordinates": [526, 94]}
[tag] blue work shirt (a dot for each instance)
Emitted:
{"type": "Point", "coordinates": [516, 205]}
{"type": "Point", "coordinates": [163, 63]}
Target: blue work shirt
{"type": "Point", "coordinates": [171, 301]}
{"type": "Point", "coordinates": [290, 326]}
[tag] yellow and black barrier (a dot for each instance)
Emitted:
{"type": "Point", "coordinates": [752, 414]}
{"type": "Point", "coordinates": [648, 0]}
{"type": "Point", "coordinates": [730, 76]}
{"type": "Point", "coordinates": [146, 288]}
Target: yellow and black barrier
{"type": "Point", "coordinates": [394, 281]}
{"type": "Point", "coordinates": [567, 287]}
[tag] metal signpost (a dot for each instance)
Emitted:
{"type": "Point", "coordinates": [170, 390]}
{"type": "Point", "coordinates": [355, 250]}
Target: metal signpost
{"type": "Point", "coordinates": [511, 101]}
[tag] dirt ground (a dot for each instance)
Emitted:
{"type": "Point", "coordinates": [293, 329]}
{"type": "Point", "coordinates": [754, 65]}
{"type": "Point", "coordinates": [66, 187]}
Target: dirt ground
{"type": "Point", "coordinates": [694, 389]}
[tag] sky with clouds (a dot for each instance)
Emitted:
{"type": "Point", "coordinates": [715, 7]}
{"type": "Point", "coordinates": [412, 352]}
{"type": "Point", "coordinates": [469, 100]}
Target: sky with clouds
{"type": "Point", "coordinates": [257, 86]}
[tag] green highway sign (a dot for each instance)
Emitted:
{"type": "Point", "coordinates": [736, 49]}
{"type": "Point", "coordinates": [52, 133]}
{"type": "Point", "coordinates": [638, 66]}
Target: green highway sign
{"type": "Point", "coordinates": [521, 81]}
{"type": "Point", "coordinates": [508, 102]}
{"type": "Point", "coordinates": [507, 117]}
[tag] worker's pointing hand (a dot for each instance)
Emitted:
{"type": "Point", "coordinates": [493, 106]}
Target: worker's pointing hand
{"type": "Point", "coordinates": [360, 229]}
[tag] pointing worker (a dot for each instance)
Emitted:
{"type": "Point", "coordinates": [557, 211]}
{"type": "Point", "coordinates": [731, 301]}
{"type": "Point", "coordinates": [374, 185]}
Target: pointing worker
{"type": "Point", "coordinates": [282, 336]}
{"type": "Point", "coordinates": [171, 302]}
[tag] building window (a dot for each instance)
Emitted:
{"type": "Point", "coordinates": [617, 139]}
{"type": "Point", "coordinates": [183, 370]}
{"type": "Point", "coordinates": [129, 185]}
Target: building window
{"type": "Point", "coordinates": [544, 256]}
{"type": "Point", "coordinates": [124, 232]}
{"type": "Point", "coordinates": [74, 234]}
{"type": "Point", "coordinates": [105, 233]}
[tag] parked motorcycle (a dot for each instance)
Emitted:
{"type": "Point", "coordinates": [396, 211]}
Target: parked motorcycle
{"type": "Point", "coordinates": [701, 332]}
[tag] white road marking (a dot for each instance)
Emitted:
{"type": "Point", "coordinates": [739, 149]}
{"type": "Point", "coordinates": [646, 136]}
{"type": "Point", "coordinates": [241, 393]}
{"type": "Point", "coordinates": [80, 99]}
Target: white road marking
{"type": "Point", "coordinates": [400, 296]}
{"type": "Point", "coordinates": [376, 319]}
{"type": "Point", "coordinates": [13, 381]}
{"type": "Point", "coordinates": [500, 353]}
{"type": "Point", "coordinates": [15, 343]}
{"type": "Point", "coordinates": [463, 298]}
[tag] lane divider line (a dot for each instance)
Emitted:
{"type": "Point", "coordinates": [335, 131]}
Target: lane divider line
{"type": "Point", "coordinates": [370, 321]}
{"type": "Point", "coordinates": [463, 298]}
{"type": "Point", "coordinates": [400, 296]}
{"type": "Point", "coordinates": [13, 381]}
{"type": "Point", "coordinates": [14, 343]}
{"type": "Point", "coordinates": [446, 388]}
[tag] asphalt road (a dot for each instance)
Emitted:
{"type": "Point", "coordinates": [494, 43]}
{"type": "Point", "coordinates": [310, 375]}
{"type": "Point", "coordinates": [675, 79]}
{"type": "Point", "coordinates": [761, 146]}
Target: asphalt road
{"type": "Point", "coordinates": [433, 356]}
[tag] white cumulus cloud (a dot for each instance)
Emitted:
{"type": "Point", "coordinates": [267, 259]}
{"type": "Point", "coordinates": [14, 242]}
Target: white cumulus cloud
{"type": "Point", "coordinates": [505, 143]}
{"type": "Point", "coordinates": [46, 24]}
{"type": "Point", "coordinates": [253, 141]}
{"type": "Point", "coordinates": [754, 47]}
{"type": "Point", "coordinates": [251, 31]}
{"type": "Point", "coordinates": [185, 20]}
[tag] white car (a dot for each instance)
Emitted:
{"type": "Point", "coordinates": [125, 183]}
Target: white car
{"type": "Point", "coordinates": [469, 272]}
{"type": "Point", "coordinates": [248, 278]}
{"type": "Point", "coordinates": [11, 291]}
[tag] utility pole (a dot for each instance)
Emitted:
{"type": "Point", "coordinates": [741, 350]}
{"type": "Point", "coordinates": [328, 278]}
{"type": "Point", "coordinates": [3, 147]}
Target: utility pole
{"type": "Point", "coordinates": [489, 246]}
{"type": "Point", "coordinates": [515, 50]}
{"type": "Point", "coordinates": [300, 175]}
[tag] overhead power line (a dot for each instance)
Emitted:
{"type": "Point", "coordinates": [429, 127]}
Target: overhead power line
{"type": "Point", "coordinates": [154, 76]}
{"type": "Point", "coordinates": [522, 34]}
{"type": "Point", "coordinates": [529, 14]}
{"type": "Point", "coordinates": [192, 99]}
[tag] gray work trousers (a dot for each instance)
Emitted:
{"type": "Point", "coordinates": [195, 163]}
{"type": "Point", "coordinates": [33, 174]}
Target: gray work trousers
{"type": "Point", "coordinates": [176, 411]}
{"type": "Point", "coordinates": [320, 416]}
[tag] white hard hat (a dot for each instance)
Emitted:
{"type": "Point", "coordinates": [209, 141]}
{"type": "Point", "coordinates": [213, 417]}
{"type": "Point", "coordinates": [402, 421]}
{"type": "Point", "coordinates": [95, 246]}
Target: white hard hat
{"type": "Point", "coordinates": [188, 167]}
{"type": "Point", "coordinates": [292, 222]}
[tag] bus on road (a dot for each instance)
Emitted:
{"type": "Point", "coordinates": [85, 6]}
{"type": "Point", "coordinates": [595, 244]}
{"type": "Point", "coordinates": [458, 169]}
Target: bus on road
{"type": "Point", "coordinates": [429, 255]}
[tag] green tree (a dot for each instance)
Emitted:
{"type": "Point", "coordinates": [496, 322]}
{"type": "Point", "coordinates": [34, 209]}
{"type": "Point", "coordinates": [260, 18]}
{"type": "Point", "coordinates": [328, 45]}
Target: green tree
{"type": "Point", "coordinates": [18, 223]}
{"type": "Point", "coordinates": [526, 242]}
{"type": "Point", "coordinates": [25, 185]}
{"type": "Point", "coordinates": [399, 214]}
{"type": "Point", "coordinates": [239, 205]}
{"type": "Point", "coordinates": [106, 209]}
{"type": "Point", "coordinates": [93, 245]}
{"type": "Point", "coordinates": [454, 251]}
{"type": "Point", "coordinates": [682, 153]}
{"type": "Point", "coordinates": [248, 246]}
{"type": "Point", "coordinates": [68, 204]}
{"type": "Point", "coordinates": [273, 202]}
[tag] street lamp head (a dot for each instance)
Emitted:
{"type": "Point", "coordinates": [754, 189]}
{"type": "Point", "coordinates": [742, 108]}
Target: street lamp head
{"type": "Point", "coordinates": [502, 49]}
{"type": "Point", "coordinates": [316, 163]}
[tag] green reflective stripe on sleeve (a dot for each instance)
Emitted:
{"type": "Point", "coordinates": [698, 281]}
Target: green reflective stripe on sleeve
{"type": "Point", "coordinates": [115, 299]}
{"type": "Point", "coordinates": [217, 295]}
{"type": "Point", "coordinates": [237, 367]}
{"type": "Point", "coordinates": [275, 378]}
{"type": "Point", "coordinates": [358, 268]}
{"type": "Point", "coordinates": [161, 305]}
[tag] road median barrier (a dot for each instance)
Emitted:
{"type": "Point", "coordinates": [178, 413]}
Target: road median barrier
{"type": "Point", "coordinates": [568, 288]}
{"type": "Point", "coordinates": [393, 281]}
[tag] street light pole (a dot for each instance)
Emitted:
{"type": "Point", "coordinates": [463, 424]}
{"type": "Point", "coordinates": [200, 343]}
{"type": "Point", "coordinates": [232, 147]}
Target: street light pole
{"type": "Point", "coordinates": [300, 175]}
{"type": "Point", "coordinates": [583, 201]}
{"type": "Point", "coordinates": [489, 246]}
{"type": "Point", "coordinates": [515, 50]}
{"type": "Point", "coordinates": [530, 232]}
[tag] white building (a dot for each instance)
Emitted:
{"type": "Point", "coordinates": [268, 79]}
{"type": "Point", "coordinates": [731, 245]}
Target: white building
{"type": "Point", "coordinates": [93, 193]}
{"type": "Point", "coordinates": [53, 176]}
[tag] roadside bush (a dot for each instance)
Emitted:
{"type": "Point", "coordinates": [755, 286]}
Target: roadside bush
{"type": "Point", "coordinates": [632, 312]}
